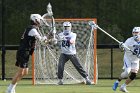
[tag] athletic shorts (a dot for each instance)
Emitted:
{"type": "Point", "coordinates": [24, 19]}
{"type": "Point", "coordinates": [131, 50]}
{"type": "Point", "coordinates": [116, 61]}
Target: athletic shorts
{"type": "Point", "coordinates": [22, 58]}
{"type": "Point", "coordinates": [128, 65]}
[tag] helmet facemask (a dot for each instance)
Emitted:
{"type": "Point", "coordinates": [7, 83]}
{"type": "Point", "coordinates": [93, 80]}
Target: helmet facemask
{"type": "Point", "coordinates": [66, 28]}
{"type": "Point", "coordinates": [136, 36]}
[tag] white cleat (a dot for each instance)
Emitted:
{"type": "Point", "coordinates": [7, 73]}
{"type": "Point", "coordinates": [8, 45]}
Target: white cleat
{"type": "Point", "coordinates": [123, 89]}
{"type": "Point", "coordinates": [10, 91]}
{"type": "Point", "coordinates": [60, 82]}
{"type": "Point", "coordinates": [88, 82]}
{"type": "Point", "coordinates": [14, 91]}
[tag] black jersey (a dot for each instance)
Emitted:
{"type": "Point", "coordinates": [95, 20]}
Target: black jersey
{"type": "Point", "coordinates": [27, 43]}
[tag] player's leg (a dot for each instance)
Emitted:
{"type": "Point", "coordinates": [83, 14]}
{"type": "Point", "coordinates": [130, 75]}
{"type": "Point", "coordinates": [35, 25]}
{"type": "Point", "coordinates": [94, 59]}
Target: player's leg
{"type": "Point", "coordinates": [18, 76]}
{"type": "Point", "coordinates": [132, 76]}
{"type": "Point", "coordinates": [22, 64]}
{"type": "Point", "coordinates": [127, 69]}
{"type": "Point", "coordinates": [62, 60]}
{"type": "Point", "coordinates": [76, 62]}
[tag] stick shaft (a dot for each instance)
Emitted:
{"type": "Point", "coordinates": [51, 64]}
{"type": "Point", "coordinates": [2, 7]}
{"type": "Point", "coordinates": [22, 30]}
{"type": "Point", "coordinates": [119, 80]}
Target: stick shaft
{"type": "Point", "coordinates": [108, 34]}
{"type": "Point", "coordinates": [114, 38]}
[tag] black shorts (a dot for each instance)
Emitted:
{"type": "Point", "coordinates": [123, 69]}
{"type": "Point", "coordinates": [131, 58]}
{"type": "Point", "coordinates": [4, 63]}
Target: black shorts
{"type": "Point", "coordinates": [22, 58]}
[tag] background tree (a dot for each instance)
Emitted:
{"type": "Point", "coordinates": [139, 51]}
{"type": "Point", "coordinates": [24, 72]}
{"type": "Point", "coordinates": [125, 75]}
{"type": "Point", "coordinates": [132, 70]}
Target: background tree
{"type": "Point", "coordinates": [116, 17]}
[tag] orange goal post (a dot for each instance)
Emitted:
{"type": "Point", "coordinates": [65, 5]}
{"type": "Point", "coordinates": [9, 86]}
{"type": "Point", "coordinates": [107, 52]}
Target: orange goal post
{"type": "Point", "coordinates": [45, 58]}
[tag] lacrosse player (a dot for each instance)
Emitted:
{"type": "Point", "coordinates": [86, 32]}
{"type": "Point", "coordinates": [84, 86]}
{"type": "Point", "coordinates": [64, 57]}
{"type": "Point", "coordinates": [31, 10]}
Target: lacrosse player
{"type": "Point", "coordinates": [26, 48]}
{"type": "Point", "coordinates": [68, 52]}
{"type": "Point", "coordinates": [131, 60]}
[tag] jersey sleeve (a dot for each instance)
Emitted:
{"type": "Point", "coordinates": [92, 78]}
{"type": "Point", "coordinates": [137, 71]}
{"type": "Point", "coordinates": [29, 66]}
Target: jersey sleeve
{"type": "Point", "coordinates": [34, 33]}
{"type": "Point", "coordinates": [127, 42]}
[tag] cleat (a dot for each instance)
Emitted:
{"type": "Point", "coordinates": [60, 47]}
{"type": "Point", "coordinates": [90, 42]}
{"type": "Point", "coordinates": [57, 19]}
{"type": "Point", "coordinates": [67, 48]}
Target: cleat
{"type": "Point", "coordinates": [123, 89]}
{"type": "Point", "coordinates": [14, 91]}
{"type": "Point", "coordinates": [10, 91]}
{"type": "Point", "coordinates": [60, 82]}
{"type": "Point", "coordinates": [88, 82]}
{"type": "Point", "coordinates": [114, 87]}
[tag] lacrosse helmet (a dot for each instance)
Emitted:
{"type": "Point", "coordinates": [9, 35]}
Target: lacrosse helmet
{"type": "Point", "coordinates": [66, 28]}
{"type": "Point", "coordinates": [136, 33]}
{"type": "Point", "coordinates": [36, 18]}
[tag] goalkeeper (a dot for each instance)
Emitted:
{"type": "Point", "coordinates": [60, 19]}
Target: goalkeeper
{"type": "Point", "coordinates": [26, 48]}
{"type": "Point", "coordinates": [68, 52]}
{"type": "Point", "coordinates": [131, 60]}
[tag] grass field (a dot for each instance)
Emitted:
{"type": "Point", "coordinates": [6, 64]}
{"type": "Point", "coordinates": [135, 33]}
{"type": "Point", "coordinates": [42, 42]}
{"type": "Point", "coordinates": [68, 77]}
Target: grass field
{"type": "Point", "coordinates": [103, 86]}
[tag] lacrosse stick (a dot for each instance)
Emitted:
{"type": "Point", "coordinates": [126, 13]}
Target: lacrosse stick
{"type": "Point", "coordinates": [49, 10]}
{"type": "Point", "coordinates": [95, 26]}
{"type": "Point", "coordinates": [49, 21]}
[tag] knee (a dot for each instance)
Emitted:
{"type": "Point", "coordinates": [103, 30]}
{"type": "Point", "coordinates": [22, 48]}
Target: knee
{"type": "Point", "coordinates": [125, 74]}
{"type": "Point", "coordinates": [132, 75]}
{"type": "Point", "coordinates": [23, 73]}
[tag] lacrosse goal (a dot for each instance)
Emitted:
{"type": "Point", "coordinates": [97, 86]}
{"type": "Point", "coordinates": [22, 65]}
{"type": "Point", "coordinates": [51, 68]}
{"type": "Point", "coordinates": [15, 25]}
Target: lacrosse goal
{"type": "Point", "coordinates": [45, 58]}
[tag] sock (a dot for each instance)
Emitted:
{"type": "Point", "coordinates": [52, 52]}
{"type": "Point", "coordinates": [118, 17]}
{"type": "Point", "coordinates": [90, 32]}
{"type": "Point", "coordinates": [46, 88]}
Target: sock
{"type": "Point", "coordinates": [14, 86]}
{"type": "Point", "coordinates": [117, 81]}
{"type": "Point", "coordinates": [124, 85]}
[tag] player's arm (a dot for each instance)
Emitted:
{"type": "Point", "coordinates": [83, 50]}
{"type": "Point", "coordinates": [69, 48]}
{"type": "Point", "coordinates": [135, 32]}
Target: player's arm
{"type": "Point", "coordinates": [34, 33]}
{"type": "Point", "coordinates": [123, 46]}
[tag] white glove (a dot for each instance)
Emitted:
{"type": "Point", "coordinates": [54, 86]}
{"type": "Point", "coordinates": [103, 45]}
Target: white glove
{"type": "Point", "coordinates": [61, 37]}
{"type": "Point", "coordinates": [43, 40]}
{"type": "Point", "coordinates": [54, 41]}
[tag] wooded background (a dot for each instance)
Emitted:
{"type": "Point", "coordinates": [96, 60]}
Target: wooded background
{"type": "Point", "coordinates": [117, 17]}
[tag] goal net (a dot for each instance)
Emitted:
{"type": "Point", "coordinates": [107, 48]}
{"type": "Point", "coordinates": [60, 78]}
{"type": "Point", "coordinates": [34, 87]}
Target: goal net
{"type": "Point", "coordinates": [45, 58]}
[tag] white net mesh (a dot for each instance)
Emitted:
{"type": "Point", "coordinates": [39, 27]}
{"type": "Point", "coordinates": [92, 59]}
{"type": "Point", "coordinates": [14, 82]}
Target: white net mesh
{"type": "Point", "coordinates": [46, 57]}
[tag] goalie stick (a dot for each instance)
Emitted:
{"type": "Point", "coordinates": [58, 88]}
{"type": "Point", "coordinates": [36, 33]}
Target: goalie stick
{"type": "Point", "coordinates": [95, 26]}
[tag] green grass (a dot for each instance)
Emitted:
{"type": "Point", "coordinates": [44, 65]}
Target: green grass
{"type": "Point", "coordinates": [103, 86]}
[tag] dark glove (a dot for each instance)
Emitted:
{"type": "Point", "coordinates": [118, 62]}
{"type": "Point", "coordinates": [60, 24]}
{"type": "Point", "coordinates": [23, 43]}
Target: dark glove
{"type": "Point", "coordinates": [138, 55]}
{"type": "Point", "coordinates": [121, 46]}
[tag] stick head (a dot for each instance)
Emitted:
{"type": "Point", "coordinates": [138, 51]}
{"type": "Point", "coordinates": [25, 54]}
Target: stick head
{"type": "Point", "coordinates": [49, 9]}
{"type": "Point", "coordinates": [92, 24]}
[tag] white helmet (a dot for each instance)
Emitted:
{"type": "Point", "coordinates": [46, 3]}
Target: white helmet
{"type": "Point", "coordinates": [136, 33]}
{"type": "Point", "coordinates": [66, 28]}
{"type": "Point", "coordinates": [36, 17]}
{"type": "Point", "coordinates": [136, 29]}
{"type": "Point", "coordinates": [67, 23]}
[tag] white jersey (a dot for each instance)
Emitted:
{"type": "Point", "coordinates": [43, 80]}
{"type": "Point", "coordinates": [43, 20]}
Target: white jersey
{"type": "Point", "coordinates": [134, 46]}
{"type": "Point", "coordinates": [34, 32]}
{"type": "Point", "coordinates": [66, 47]}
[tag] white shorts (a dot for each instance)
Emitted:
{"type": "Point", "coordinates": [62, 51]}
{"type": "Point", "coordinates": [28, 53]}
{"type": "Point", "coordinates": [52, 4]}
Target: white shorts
{"type": "Point", "coordinates": [131, 66]}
